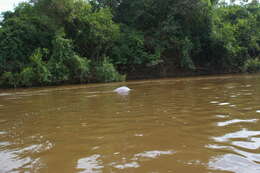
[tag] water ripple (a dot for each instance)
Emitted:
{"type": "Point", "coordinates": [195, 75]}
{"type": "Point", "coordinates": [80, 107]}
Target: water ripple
{"type": "Point", "coordinates": [90, 164]}
{"type": "Point", "coordinates": [234, 163]}
{"type": "Point", "coordinates": [234, 121]}
{"type": "Point", "coordinates": [152, 154]}
{"type": "Point", "coordinates": [127, 165]}
{"type": "Point", "coordinates": [244, 133]}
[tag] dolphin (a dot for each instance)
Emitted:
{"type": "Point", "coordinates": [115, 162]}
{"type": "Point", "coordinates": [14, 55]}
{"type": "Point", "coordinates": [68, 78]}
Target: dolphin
{"type": "Point", "coordinates": [122, 90]}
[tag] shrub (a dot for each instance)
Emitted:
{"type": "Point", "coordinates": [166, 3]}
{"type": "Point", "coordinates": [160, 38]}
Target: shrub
{"type": "Point", "coordinates": [36, 73]}
{"type": "Point", "coordinates": [39, 67]}
{"type": "Point", "coordinates": [8, 79]}
{"type": "Point", "coordinates": [186, 61]}
{"type": "Point", "coordinates": [65, 64]}
{"type": "Point", "coordinates": [80, 68]}
{"type": "Point", "coordinates": [27, 77]}
{"type": "Point", "coordinates": [130, 50]}
{"type": "Point", "coordinates": [62, 51]}
{"type": "Point", "coordinates": [106, 72]}
{"type": "Point", "coordinates": [252, 65]}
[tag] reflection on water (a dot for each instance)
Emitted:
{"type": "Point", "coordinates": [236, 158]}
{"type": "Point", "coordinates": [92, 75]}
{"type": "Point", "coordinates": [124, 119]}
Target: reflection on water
{"type": "Point", "coordinates": [127, 165]}
{"type": "Point", "coordinates": [198, 125]}
{"type": "Point", "coordinates": [234, 163]}
{"type": "Point", "coordinates": [152, 154]}
{"type": "Point", "coordinates": [226, 123]}
{"type": "Point", "coordinates": [244, 133]}
{"type": "Point", "coordinates": [90, 164]}
{"type": "Point", "coordinates": [239, 145]}
{"type": "Point", "coordinates": [244, 144]}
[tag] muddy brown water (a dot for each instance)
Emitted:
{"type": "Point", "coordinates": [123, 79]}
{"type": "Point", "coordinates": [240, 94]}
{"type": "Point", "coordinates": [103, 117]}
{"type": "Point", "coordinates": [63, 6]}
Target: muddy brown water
{"type": "Point", "coordinates": [182, 125]}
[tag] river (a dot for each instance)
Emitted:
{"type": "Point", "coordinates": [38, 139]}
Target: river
{"type": "Point", "coordinates": [200, 124]}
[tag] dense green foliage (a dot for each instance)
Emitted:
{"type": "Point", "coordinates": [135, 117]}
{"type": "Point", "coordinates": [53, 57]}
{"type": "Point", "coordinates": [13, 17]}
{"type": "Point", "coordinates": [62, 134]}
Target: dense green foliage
{"type": "Point", "coordinates": [46, 42]}
{"type": "Point", "coordinates": [236, 35]}
{"type": "Point", "coordinates": [252, 65]}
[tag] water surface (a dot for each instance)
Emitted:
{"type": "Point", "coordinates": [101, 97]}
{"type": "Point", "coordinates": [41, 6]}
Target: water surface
{"type": "Point", "coordinates": [198, 125]}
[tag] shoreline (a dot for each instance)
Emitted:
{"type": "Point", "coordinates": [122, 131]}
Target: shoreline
{"type": "Point", "coordinates": [129, 80]}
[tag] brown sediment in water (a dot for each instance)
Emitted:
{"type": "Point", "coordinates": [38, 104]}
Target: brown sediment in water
{"type": "Point", "coordinates": [193, 124]}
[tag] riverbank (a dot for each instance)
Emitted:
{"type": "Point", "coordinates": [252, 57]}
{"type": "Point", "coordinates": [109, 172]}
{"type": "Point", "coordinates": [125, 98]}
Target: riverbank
{"type": "Point", "coordinates": [141, 76]}
{"type": "Point", "coordinates": [93, 41]}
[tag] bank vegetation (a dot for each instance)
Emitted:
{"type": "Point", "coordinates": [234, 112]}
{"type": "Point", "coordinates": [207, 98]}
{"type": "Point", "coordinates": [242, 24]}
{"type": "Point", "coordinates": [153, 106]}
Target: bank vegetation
{"type": "Point", "coordinates": [50, 42]}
